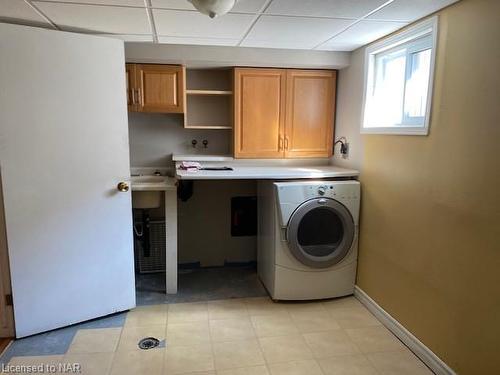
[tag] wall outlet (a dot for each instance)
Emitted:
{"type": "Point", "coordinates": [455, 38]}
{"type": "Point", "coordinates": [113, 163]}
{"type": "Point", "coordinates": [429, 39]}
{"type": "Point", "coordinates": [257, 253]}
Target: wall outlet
{"type": "Point", "coordinates": [344, 150]}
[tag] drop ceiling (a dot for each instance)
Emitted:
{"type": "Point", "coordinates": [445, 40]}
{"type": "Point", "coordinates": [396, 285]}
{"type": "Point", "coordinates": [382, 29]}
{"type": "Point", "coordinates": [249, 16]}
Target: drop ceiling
{"type": "Point", "coordinates": [328, 25]}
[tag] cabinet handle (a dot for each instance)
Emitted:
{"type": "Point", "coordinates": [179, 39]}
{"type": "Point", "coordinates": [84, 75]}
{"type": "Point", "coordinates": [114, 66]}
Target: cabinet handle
{"type": "Point", "coordinates": [286, 143]}
{"type": "Point", "coordinates": [132, 94]}
{"type": "Point", "coordinates": [280, 143]}
{"type": "Point", "coordinates": [139, 98]}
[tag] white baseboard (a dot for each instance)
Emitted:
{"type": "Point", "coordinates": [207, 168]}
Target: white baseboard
{"type": "Point", "coordinates": [414, 344]}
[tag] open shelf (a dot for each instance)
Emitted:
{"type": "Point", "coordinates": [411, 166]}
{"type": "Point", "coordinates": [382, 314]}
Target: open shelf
{"type": "Point", "coordinates": [209, 100]}
{"type": "Point", "coordinates": [220, 127]}
{"type": "Point", "coordinates": [209, 79]}
{"type": "Point", "coordinates": [209, 112]}
{"type": "Point", "coordinates": [209, 92]}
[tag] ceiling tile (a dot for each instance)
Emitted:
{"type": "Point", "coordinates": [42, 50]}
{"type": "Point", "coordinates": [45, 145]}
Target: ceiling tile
{"type": "Point", "coordinates": [324, 8]}
{"type": "Point", "coordinates": [196, 25]}
{"type": "Point", "coordinates": [286, 44]}
{"type": "Point", "coordinates": [129, 38]}
{"type": "Point", "coordinates": [243, 6]}
{"type": "Point", "coordinates": [410, 10]}
{"type": "Point", "coordinates": [104, 19]}
{"type": "Point", "coordinates": [136, 3]}
{"type": "Point", "coordinates": [198, 41]}
{"type": "Point", "coordinates": [172, 4]}
{"type": "Point", "coordinates": [248, 6]}
{"type": "Point", "coordinates": [292, 32]}
{"type": "Point", "coordinates": [339, 47]}
{"type": "Point", "coordinates": [360, 34]}
{"type": "Point", "coordinates": [17, 11]}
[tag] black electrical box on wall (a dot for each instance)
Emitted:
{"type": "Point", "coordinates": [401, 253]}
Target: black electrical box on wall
{"type": "Point", "coordinates": [243, 216]}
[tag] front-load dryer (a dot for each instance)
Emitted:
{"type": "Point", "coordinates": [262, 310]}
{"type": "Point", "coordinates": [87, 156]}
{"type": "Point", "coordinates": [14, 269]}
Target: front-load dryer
{"type": "Point", "coordinates": [308, 238]}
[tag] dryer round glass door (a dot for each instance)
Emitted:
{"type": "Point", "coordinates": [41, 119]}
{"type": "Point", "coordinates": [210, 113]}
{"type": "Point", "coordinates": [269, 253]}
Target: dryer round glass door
{"type": "Point", "coordinates": [320, 232]}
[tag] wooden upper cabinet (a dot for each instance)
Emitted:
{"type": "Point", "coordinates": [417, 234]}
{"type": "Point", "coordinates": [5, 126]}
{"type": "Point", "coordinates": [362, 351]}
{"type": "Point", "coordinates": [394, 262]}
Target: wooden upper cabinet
{"type": "Point", "coordinates": [310, 106]}
{"type": "Point", "coordinates": [283, 113]}
{"type": "Point", "coordinates": [131, 86]}
{"type": "Point", "coordinates": [259, 112]}
{"type": "Point", "coordinates": [156, 88]}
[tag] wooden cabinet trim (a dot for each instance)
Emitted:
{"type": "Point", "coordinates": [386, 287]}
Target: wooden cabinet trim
{"type": "Point", "coordinates": [326, 149]}
{"type": "Point", "coordinates": [316, 114]}
{"type": "Point", "coordinates": [286, 145]}
{"type": "Point", "coordinates": [130, 75]}
{"type": "Point", "coordinates": [178, 88]}
{"type": "Point", "coordinates": [239, 75]}
{"type": "Point", "coordinates": [139, 91]}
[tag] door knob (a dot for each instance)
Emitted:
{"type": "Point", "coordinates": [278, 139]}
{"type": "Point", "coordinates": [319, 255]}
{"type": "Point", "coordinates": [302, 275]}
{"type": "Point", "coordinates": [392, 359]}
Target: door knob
{"type": "Point", "coordinates": [122, 186]}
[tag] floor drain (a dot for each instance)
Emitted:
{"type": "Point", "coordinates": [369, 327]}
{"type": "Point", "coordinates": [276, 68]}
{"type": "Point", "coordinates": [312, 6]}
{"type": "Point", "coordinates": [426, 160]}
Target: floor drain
{"type": "Point", "coordinates": [148, 343]}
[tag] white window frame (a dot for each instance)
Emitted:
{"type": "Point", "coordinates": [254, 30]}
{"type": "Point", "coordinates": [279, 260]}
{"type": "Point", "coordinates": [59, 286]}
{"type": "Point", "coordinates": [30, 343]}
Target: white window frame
{"type": "Point", "coordinates": [429, 26]}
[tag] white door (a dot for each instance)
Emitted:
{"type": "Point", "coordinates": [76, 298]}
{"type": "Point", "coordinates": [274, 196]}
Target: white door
{"type": "Point", "coordinates": [63, 150]}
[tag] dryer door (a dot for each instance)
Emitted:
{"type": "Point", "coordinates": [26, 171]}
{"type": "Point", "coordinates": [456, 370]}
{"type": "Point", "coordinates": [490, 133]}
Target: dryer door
{"type": "Point", "coordinates": [320, 232]}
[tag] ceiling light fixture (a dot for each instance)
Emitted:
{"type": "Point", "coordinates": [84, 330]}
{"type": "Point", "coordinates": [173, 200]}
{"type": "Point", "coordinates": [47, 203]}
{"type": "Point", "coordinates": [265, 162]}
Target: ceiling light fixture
{"type": "Point", "coordinates": [213, 8]}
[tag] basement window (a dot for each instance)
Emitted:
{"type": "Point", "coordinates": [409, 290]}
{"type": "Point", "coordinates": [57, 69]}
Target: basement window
{"type": "Point", "coordinates": [398, 81]}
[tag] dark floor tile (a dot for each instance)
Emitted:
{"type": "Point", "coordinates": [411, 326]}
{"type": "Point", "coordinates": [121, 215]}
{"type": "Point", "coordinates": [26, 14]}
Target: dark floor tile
{"type": "Point", "coordinates": [57, 341]}
{"type": "Point", "coordinates": [201, 284]}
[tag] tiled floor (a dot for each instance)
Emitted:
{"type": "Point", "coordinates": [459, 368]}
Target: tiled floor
{"type": "Point", "coordinates": [57, 342]}
{"type": "Point", "coordinates": [201, 284]}
{"type": "Point", "coordinates": [249, 336]}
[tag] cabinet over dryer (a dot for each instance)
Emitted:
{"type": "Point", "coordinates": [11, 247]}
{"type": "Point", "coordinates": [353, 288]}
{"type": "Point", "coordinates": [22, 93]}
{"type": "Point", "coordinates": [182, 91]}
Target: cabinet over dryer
{"type": "Point", "coordinates": [283, 113]}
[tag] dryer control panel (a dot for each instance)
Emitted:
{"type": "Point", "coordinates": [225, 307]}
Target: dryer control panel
{"type": "Point", "coordinates": [290, 195]}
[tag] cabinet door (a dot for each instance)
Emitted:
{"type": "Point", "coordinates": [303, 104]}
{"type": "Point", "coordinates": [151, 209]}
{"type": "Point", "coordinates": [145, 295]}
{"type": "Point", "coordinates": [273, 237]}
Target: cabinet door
{"type": "Point", "coordinates": [161, 88]}
{"type": "Point", "coordinates": [131, 87]}
{"type": "Point", "coordinates": [310, 106]}
{"type": "Point", "coordinates": [259, 112]}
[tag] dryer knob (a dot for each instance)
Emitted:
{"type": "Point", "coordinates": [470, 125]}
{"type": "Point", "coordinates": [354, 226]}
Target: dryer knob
{"type": "Point", "coordinates": [321, 190]}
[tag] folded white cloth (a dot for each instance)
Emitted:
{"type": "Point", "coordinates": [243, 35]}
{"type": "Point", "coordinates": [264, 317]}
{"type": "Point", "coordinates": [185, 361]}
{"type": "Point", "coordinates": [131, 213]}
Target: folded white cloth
{"type": "Point", "coordinates": [190, 166]}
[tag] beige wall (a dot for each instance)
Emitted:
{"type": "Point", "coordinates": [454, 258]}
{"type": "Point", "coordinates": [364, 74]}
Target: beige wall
{"type": "Point", "coordinates": [430, 223]}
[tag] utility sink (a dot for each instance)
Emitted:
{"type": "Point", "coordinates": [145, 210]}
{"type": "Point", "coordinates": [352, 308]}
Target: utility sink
{"type": "Point", "coordinates": [147, 179]}
{"type": "Point", "coordinates": [147, 191]}
{"type": "Point", "coordinates": [146, 199]}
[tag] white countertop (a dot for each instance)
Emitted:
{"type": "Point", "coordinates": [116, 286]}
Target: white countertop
{"type": "Point", "coordinates": [201, 157]}
{"type": "Point", "coordinates": [249, 172]}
